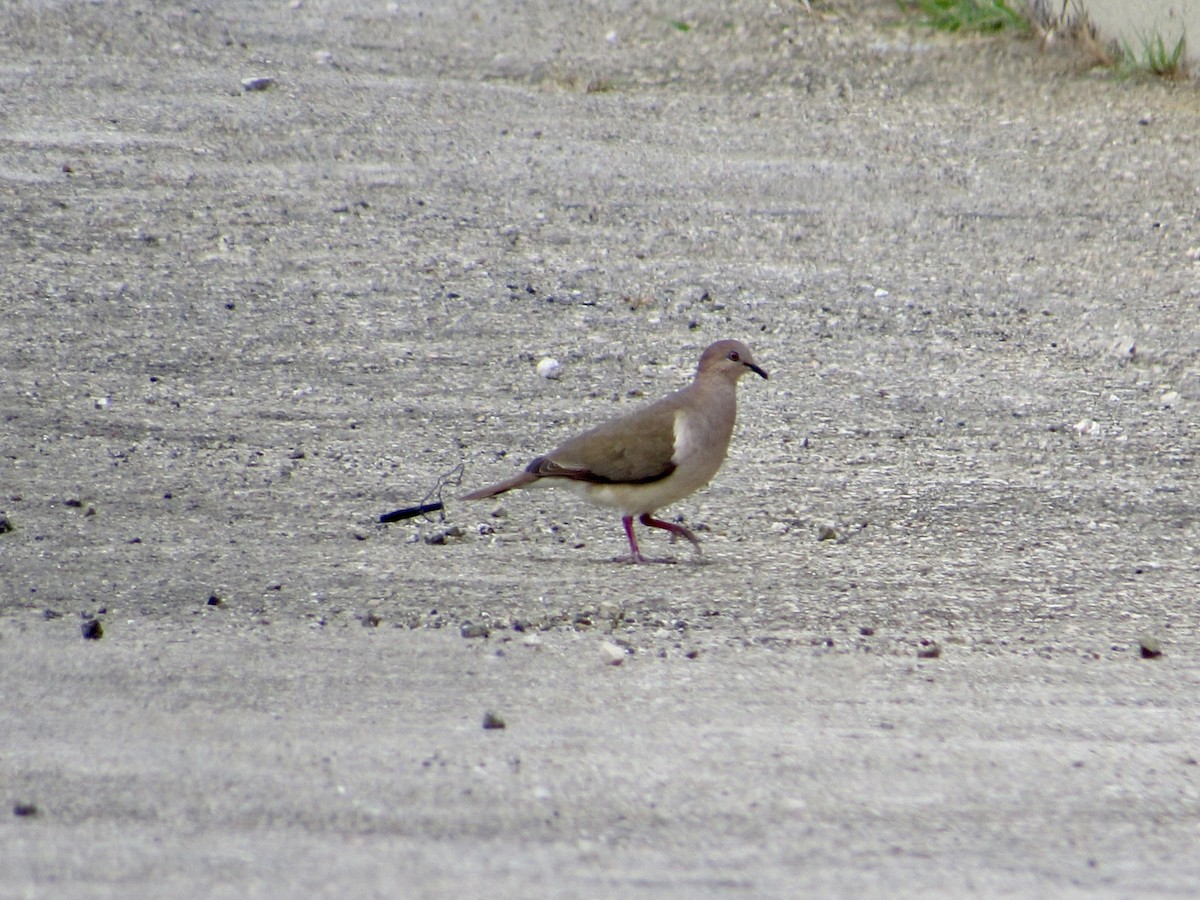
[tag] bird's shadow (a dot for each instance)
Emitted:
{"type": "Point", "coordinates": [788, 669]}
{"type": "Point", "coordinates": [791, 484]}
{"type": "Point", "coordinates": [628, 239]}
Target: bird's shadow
{"type": "Point", "coordinates": [658, 560]}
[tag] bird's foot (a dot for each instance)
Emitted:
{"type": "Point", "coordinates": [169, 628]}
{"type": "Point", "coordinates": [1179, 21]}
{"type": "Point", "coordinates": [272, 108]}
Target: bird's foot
{"type": "Point", "coordinates": [677, 531]}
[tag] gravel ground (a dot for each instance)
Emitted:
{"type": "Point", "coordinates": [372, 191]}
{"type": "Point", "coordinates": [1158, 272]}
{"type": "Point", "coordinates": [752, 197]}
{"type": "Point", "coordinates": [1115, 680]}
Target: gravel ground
{"type": "Point", "coordinates": [943, 634]}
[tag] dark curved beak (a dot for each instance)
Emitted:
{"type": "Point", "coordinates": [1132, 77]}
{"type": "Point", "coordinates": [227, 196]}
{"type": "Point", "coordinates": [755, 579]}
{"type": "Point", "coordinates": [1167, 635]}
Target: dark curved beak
{"type": "Point", "coordinates": [756, 369]}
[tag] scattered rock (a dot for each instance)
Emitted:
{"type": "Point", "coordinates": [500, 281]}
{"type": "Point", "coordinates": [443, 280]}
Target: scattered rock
{"type": "Point", "coordinates": [371, 620]}
{"type": "Point", "coordinates": [441, 537]}
{"type": "Point", "coordinates": [613, 654]}
{"type": "Point", "coordinates": [549, 368]}
{"type": "Point", "coordinates": [866, 631]}
{"type": "Point", "coordinates": [474, 630]}
{"type": "Point", "coordinates": [827, 533]}
{"type": "Point", "coordinates": [258, 83]}
{"type": "Point", "coordinates": [25, 809]}
{"type": "Point", "coordinates": [92, 629]}
{"type": "Point", "coordinates": [928, 649]}
{"type": "Point", "coordinates": [51, 614]}
{"type": "Point", "coordinates": [214, 600]}
{"type": "Point", "coordinates": [1151, 647]}
{"type": "Point", "coordinates": [5, 525]}
{"type": "Point", "coordinates": [491, 721]}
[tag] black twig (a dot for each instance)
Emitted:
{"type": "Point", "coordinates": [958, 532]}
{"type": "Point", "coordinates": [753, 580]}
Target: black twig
{"type": "Point", "coordinates": [428, 504]}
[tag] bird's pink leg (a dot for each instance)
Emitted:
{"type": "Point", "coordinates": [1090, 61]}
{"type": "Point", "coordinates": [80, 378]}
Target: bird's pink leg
{"type": "Point", "coordinates": [650, 522]}
{"type": "Point", "coordinates": [627, 521]}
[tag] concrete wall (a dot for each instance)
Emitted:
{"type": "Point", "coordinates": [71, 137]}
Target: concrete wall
{"type": "Point", "coordinates": [1132, 21]}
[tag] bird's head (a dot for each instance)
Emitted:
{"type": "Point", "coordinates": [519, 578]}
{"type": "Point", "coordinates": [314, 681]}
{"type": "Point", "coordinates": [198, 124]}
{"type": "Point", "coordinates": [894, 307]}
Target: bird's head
{"type": "Point", "coordinates": [732, 359]}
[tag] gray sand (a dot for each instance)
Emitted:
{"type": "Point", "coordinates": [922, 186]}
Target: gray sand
{"type": "Point", "coordinates": [240, 324]}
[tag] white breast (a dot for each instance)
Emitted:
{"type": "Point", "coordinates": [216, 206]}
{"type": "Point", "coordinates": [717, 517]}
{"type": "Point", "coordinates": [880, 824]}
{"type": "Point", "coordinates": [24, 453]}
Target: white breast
{"type": "Point", "coordinates": [686, 437]}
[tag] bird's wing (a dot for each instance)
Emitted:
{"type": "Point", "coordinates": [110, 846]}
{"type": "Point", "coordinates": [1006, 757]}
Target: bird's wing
{"type": "Point", "coordinates": [634, 449]}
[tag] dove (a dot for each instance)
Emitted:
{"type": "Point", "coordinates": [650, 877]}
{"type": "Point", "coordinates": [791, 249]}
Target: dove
{"type": "Point", "coordinates": [654, 456]}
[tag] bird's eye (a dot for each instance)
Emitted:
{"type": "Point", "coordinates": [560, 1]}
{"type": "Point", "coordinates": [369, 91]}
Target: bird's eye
{"type": "Point", "coordinates": [733, 354]}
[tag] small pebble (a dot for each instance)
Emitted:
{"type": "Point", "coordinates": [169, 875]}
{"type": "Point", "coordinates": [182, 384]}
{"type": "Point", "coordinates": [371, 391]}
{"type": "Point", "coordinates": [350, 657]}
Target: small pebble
{"type": "Point", "coordinates": [474, 630]}
{"type": "Point", "coordinates": [613, 654]}
{"type": "Point", "coordinates": [92, 629]}
{"type": "Point", "coordinates": [491, 721]}
{"type": "Point", "coordinates": [549, 368]}
{"type": "Point", "coordinates": [928, 650]}
{"type": "Point", "coordinates": [441, 537]}
{"type": "Point", "coordinates": [827, 533]}
{"type": "Point", "coordinates": [5, 525]}
{"type": "Point", "coordinates": [1151, 648]}
{"type": "Point", "coordinates": [25, 809]}
{"type": "Point", "coordinates": [258, 83]}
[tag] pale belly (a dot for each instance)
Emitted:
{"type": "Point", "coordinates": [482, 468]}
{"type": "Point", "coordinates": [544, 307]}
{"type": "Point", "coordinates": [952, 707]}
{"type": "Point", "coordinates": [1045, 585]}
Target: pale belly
{"type": "Point", "coordinates": [635, 499]}
{"type": "Point", "coordinates": [699, 453]}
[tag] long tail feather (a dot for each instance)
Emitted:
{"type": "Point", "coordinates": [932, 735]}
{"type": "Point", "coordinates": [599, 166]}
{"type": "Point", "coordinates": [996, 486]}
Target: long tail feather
{"type": "Point", "coordinates": [508, 484]}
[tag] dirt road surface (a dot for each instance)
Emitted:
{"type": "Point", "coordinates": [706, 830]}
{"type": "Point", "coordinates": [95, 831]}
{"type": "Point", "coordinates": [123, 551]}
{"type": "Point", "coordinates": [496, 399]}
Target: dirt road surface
{"type": "Point", "coordinates": [271, 269]}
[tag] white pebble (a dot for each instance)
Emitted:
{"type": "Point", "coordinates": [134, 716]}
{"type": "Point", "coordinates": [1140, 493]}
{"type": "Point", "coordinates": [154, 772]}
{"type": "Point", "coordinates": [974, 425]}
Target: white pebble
{"type": "Point", "coordinates": [613, 654]}
{"type": "Point", "coordinates": [549, 368]}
